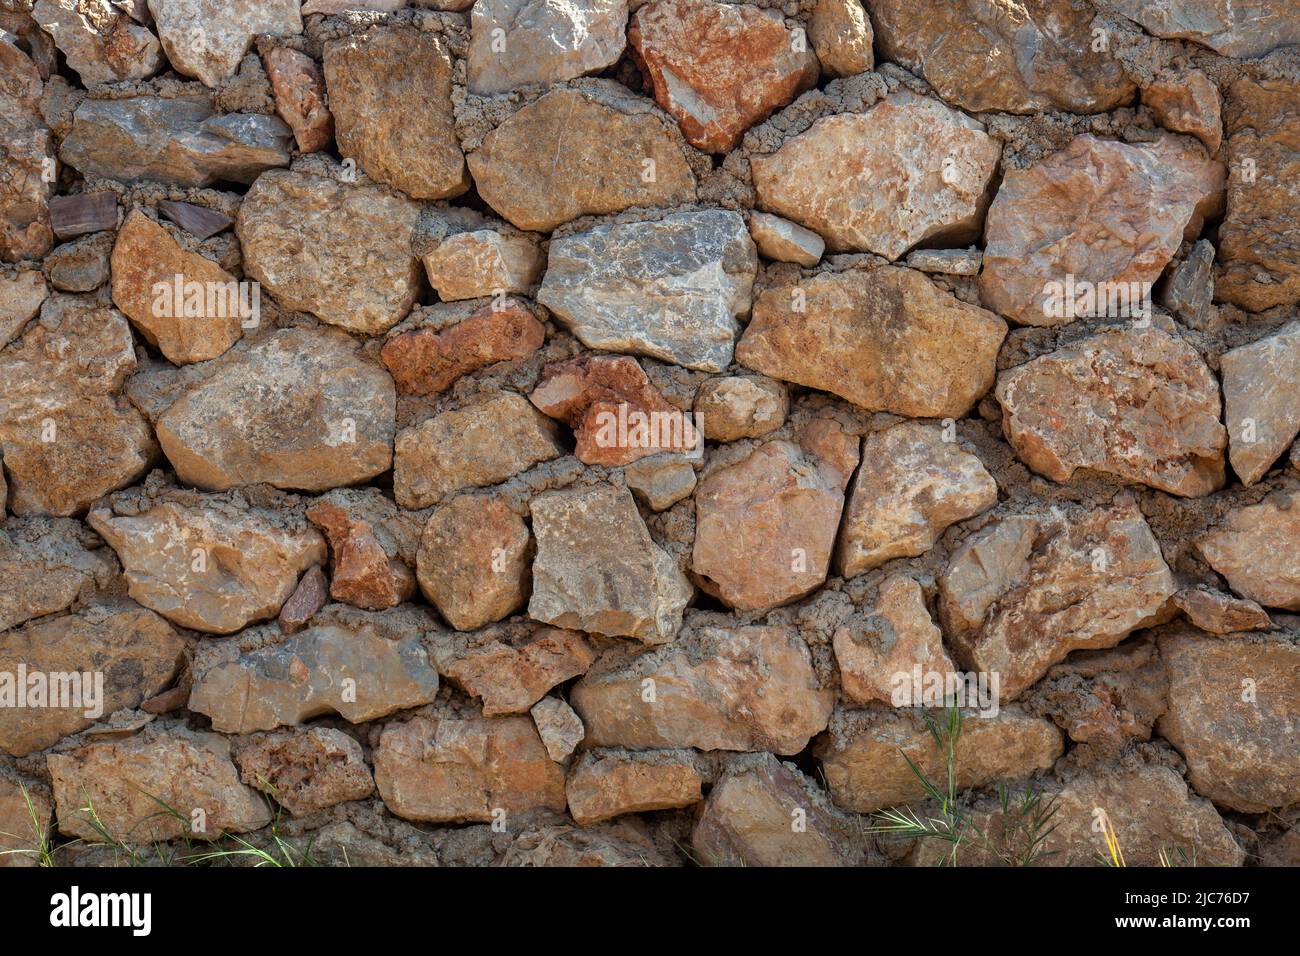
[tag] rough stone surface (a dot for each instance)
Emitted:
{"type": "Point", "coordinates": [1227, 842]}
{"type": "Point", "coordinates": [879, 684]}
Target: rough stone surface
{"type": "Point", "coordinates": [659, 482]}
{"type": "Point", "coordinates": [480, 263]}
{"type": "Point", "coordinates": [20, 834]}
{"type": "Point", "coordinates": [887, 339]}
{"type": "Point", "coordinates": [300, 98]}
{"type": "Point", "coordinates": [908, 170]}
{"type": "Point", "coordinates": [1188, 292]}
{"type": "Point", "coordinates": [207, 39]}
{"type": "Point", "coordinates": [912, 485]}
{"type": "Point", "coordinates": [684, 308]}
{"type": "Point", "coordinates": [1241, 28]}
{"type": "Point", "coordinates": [740, 406]}
{"type": "Point", "coordinates": [1260, 401]}
{"type": "Point", "coordinates": [516, 43]}
{"type": "Point", "coordinates": [1187, 101]}
{"type": "Point", "coordinates": [101, 44]}
{"type": "Point", "coordinates": [597, 568]}
{"type": "Point", "coordinates": [559, 727]}
{"type": "Point", "coordinates": [81, 265]}
{"type": "Point", "coordinates": [305, 772]}
{"type": "Point", "coordinates": [751, 688]}
{"type": "Point", "coordinates": [1255, 549]}
{"type": "Point", "coordinates": [784, 241]}
{"type": "Point", "coordinates": [365, 574]}
{"type": "Point", "coordinates": [27, 163]}
{"type": "Point", "coordinates": [511, 678]}
{"type": "Point", "coordinates": [21, 296]}
{"type": "Point", "coordinates": [841, 36]}
{"type": "Point", "coordinates": [607, 784]}
{"type": "Point", "coordinates": [308, 597]}
{"type": "Point", "coordinates": [47, 564]}
{"type": "Point", "coordinates": [1221, 613]}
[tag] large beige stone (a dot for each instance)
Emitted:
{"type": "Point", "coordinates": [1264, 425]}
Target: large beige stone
{"type": "Point", "coordinates": [910, 169]}
{"type": "Point", "coordinates": [1260, 404]}
{"type": "Point", "coordinates": [102, 44]}
{"type": "Point", "coordinates": [482, 262]}
{"type": "Point", "coordinates": [511, 677]}
{"type": "Point", "coordinates": [27, 166]}
{"type": "Point", "coordinates": [841, 36]}
{"type": "Point", "coordinates": [1236, 28]}
{"type": "Point", "coordinates": [605, 784]}
{"type": "Point", "coordinates": [887, 339]}
{"type": "Point", "coordinates": [1254, 547]}
{"type": "Point", "coordinates": [46, 564]}
{"type": "Point", "coordinates": [597, 568]}
{"type": "Point", "coordinates": [751, 688]}
{"type": "Point", "coordinates": [207, 39]}
{"type": "Point", "coordinates": [516, 43]}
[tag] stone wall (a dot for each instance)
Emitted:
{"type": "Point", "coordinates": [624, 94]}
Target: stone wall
{"type": "Point", "coordinates": [354, 363]}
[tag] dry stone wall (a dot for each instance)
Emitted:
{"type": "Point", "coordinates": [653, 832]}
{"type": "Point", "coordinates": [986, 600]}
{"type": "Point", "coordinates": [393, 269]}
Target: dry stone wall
{"type": "Point", "coordinates": [479, 432]}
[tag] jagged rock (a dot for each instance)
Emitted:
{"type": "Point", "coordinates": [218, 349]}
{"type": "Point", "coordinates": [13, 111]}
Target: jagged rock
{"type": "Point", "coordinates": [299, 409]}
{"type": "Point", "coordinates": [101, 44]}
{"type": "Point", "coordinates": [606, 784]}
{"type": "Point", "coordinates": [610, 150]}
{"type": "Point", "coordinates": [307, 771]}
{"type": "Point", "coordinates": [1187, 101]}
{"type": "Point", "coordinates": [1258, 264]}
{"type": "Point", "coordinates": [887, 339]}
{"type": "Point", "coordinates": [1189, 290]}
{"type": "Point", "coordinates": [427, 361]}
{"type": "Point", "coordinates": [1259, 401]}
{"type": "Point", "coordinates": [559, 727]}
{"type": "Point", "coordinates": [72, 216]}
{"type": "Point", "coordinates": [1255, 549]}
{"type": "Point", "coordinates": [1232, 715]}
{"type": "Point", "coordinates": [1221, 613]}
{"type": "Point", "coordinates": [1018, 58]}
{"type": "Point", "coordinates": [719, 68]}
{"type": "Point", "coordinates": [473, 562]}
{"type": "Point", "coordinates": [308, 598]}
{"type": "Point", "coordinates": [328, 7]}
{"type": "Point", "coordinates": [300, 98]}
{"type": "Point", "coordinates": [516, 43]}
{"type": "Point", "coordinates": [81, 265]}
{"type": "Point", "coordinates": [442, 770]}
{"type": "Point", "coordinates": [26, 811]}
{"type": "Point", "coordinates": [770, 815]}
{"type": "Point", "coordinates": [207, 39]}
{"type": "Point", "coordinates": [199, 221]}
{"type": "Point", "coordinates": [659, 482]}
{"type": "Point", "coordinates": [862, 757]}
{"type": "Point", "coordinates": [27, 167]}
{"type": "Point", "coordinates": [485, 442]}
{"type": "Point", "coordinates": [616, 413]}
{"type": "Point", "coordinates": [187, 324]}
{"type": "Point", "coordinates": [112, 656]}
{"type": "Point", "coordinates": [912, 485]}
{"type": "Point", "coordinates": [1135, 402]}
{"type": "Point", "coordinates": [1237, 28]}
{"type": "Point", "coordinates": [1032, 587]}
{"type": "Point", "coordinates": [765, 526]}
{"type": "Point", "coordinates": [684, 310]}
{"type": "Point", "coordinates": [784, 241]}
{"type": "Point", "coordinates": [481, 263]}
{"type": "Point", "coordinates": [124, 780]}
{"type": "Point", "coordinates": [842, 37]}
{"type": "Point", "coordinates": [740, 406]}
{"type": "Point", "coordinates": [891, 638]}
{"type": "Point", "coordinates": [205, 563]}
{"type": "Point", "coordinates": [597, 568]}
{"type": "Point", "coordinates": [1096, 212]}
{"type": "Point", "coordinates": [359, 672]}
{"type": "Point", "coordinates": [390, 93]}
{"type": "Point", "coordinates": [510, 678]}
{"type": "Point", "coordinates": [366, 574]}
{"type": "Point", "coordinates": [951, 262]}
{"type": "Point", "coordinates": [67, 435]}
{"type": "Point", "coordinates": [748, 688]}
{"type": "Point", "coordinates": [340, 251]}
{"type": "Point", "coordinates": [179, 140]}
{"type": "Point", "coordinates": [21, 297]}
{"type": "Point", "coordinates": [908, 170]}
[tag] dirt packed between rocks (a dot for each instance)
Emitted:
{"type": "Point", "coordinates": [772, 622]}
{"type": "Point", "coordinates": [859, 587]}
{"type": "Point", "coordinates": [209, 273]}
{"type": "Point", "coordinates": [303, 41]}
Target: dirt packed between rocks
{"type": "Point", "coordinates": [669, 433]}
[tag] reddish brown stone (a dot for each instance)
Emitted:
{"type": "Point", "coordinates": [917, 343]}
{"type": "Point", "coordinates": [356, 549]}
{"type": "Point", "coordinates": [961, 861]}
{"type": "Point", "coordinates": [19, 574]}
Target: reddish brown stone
{"type": "Point", "coordinates": [308, 598]}
{"type": "Point", "coordinates": [1187, 102]}
{"type": "Point", "coordinates": [511, 679]}
{"type": "Point", "coordinates": [299, 87]}
{"type": "Point", "coordinates": [426, 361]}
{"type": "Point", "coordinates": [72, 216]}
{"type": "Point", "coordinates": [607, 784]}
{"type": "Point", "coordinates": [1221, 613]}
{"type": "Point", "coordinates": [364, 573]}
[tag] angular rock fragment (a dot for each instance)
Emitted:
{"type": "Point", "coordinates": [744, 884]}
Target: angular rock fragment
{"type": "Point", "coordinates": [199, 221]}
{"type": "Point", "coordinates": [1232, 715]}
{"type": "Point", "coordinates": [483, 443]}
{"type": "Point", "coordinates": [908, 170]}
{"type": "Point", "coordinates": [765, 526]}
{"type": "Point", "coordinates": [559, 727]}
{"type": "Point", "coordinates": [308, 597]}
{"type": "Point", "coordinates": [1255, 549]}
{"type": "Point", "coordinates": [841, 36]}
{"type": "Point", "coordinates": [887, 339]}
{"type": "Point", "coordinates": [101, 44]}
{"type": "Point", "coordinates": [1135, 402]}
{"type": "Point", "coordinates": [719, 68]}
{"type": "Point", "coordinates": [1024, 592]}
{"type": "Point", "coordinates": [300, 409]}
{"type": "Point", "coordinates": [510, 678]}
{"type": "Point", "coordinates": [616, 413]}
{"type": "Point", "coordinates": [206, 564]}
{"type": "Point", "coordinates": [672, 289]}
{"type": "Point", "coordinates": [862, 756]}
{"type": "Point", "coordinates": [359, 673]}
{"type": "Point", "coordinates": [72, 216]}
{"type": "Point", "coordinates": [516, 43]}
{"type": "Point", "coordinates": [328, 7]}
{"type": "Point", "coordinates": [1188, 292]}
{"type": "Point", "coordinates": [748, 688]}
{"type": "Point", "coordinates": [950, 262]}
{"type": "Point", "coordinates": [610, 150]}
{"type": "Point", "coordinates": [367, 571]}
{"type": "Point", "coordinates": [66, 434]}
{"type": "Point", "coordinates": [179, 140]}
{"type": "Point", "coordinates": [299, 87]}
{"type": "Point", "coordinates": [783, 241]}
{"type": "Point", "coordinates": [659, 482]}
{"type": "Point", "coordinates": [426, 361]}
{"type": "Point", "coordinates": [193, 318]}
{"type": "Point", "coordinates": [879, 652]}
{"type": "Point", "coordinates": [482, 262]}
{"type": "Point", "coordinates": [80, 668]}
{"type": "Point", "coordinates": [1015, 58]}
{"type": "Point", "coordinates": [1221, 613]}
{"type": "Point", "coordinates": [27, 167]}
{"type": "Point", "coordinates": [1260, 404]}
{"type": "Point", "coordinates": [1187, 101]}
{"type": "Point", "coordinates": [390, 93]}
{"type": "Point", "coordinates": [1087, 230]}
{"type": "Point", "coordinates": [912, 485]}
{"type": "Point", "coordinates": [606, 784]}
{"type": "Point", "coordinates": [21, 297]}
{"type": "Point", "coordinates": [597, 568]}
{"type": "Point", "coordinates": [207, 39]}
{"type": "Point", "coordinates": [473, 562]}
{"type": "Point", "coordinates": [26, 811]}
{"type": "Point", "coordinates": [1237, 28]}
{"type": "Point", "coordinates": [442, 770]}
{"type": "Point", "coordinates": [81, 265]}
{"type": "Point", "coordinates": [340, 251]}
{"type": "Point", "coordinates": [305, 772]}
{"type": "Point", "coordinates": [126, 779]}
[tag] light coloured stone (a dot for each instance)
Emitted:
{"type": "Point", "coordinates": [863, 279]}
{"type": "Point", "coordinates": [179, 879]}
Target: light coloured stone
{"type": "Point", "coordinates": [101, 44]}
{"type": "Point", "coordinates": [21, 296]}
{"type": "Point", "coordinates": [559, 727]}
{"type": "Point", "coordinates": [46, 564]}
{"type": "Point", "coordinates": [1221, 613]}
{"type": "Point", "coordinates": [1187, 101]}
{"type": "Point", "coordinates": [952, 262]}
{"type": "Point", "coordinates": [606, 784]}
{"type": "Point", "coordinates": [1236, 28]}
{"type": "Point", "coordinates": [784, 241]}
{"type": "Point", "coordinates": [300, 98]}
{"type": "Point", "coordinates": [659, 482]}
{"type": "Point", "coordinates": [27, 166]}
{"type": "Point", "coordinates": [511, 677]}
{"type": "Point", "coordinates": [740, 406]}
{"type": "Point", "coordinates": [1254, 547]}
{"type": "Point", "coordinates": [482, 263]}
{"type": "Point", "coordinates": [516, 43]}
{"type": "Point", "coordinates": [207, 39]}
{"type": "Point", "coordinates": [1260, 405]}
{"type": "Point", "coordinates": [841, 36]}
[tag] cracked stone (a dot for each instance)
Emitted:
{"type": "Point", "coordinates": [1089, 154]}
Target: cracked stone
{"type": "Point", "coordinates": [607, 784]}
{"type": "Point", "coordinates": [559, 727]}
{"type": "Point", "coordinates": [1254, 548]}
{"type": "Point", "coordinates": [207, 39]}
{"type": "Point", "coordinates": [516, 43]}
{"type": "Point", "coordinates": [1259, 401]}
{"type": "Point", "coordinates": [305, 772]}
